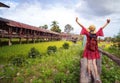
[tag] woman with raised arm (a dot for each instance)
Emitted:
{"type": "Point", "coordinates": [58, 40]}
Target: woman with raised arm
{"type": "Point", "coordinates": [91, 48]}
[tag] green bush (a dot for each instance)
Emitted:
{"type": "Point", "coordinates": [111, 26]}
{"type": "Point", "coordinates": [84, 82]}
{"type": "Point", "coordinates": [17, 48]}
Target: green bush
{"type": "Point", "coordinates": [66, 45]}
{"type": "Point", "coordinates": [33, 53]}
{"type": "Point", "coordinates": [51, 49]}
{"type": "Point", "coordinates": [18, 61]}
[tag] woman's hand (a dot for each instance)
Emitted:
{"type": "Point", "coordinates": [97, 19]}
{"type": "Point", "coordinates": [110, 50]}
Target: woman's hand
{"type": "Point", "coordinates": [78, 22]}
{"type": "Point", "coordinates": [108, 20]}
{"type": "Point", "coordinates": [76, 19]}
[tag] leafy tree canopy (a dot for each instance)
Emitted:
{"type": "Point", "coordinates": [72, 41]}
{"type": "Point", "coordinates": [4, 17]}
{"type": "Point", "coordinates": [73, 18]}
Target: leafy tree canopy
{"type": "Point", "coordinates": [44, 26]}
{"type": "Point", "coordinates": [55, 27]}
{"type": "Point", "coordinates": [117, 37]}
{"type": "Point", "coordinates": [68, 28]}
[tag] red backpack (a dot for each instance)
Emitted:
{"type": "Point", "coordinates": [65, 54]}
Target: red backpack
{"type": "Point", "coordinates": [92, 44]}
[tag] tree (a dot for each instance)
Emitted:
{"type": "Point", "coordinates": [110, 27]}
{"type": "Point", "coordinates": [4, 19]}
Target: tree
{"type": "Point", "coordinates": [44, 26]}
{"type": "Point", "coordinates": [68, 28]}
{"type": "Point", "coordinates": [55, 27]}
{"type": "Point", "coordinates": [117, 38]}
{"type": "Point", "coordinates": [108, 39]}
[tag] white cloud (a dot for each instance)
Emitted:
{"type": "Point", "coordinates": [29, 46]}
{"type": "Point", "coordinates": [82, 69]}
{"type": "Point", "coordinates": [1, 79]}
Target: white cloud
{"type": "Point", "coordinates": [38, 14]}
{"type": "Point", "coordinates": [35, 15]}
{"type": "Point", "coordinates": [103, 7]}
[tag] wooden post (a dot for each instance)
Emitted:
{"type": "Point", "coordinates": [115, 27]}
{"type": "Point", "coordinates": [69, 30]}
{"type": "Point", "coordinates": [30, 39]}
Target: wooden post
{"type": "Point", "coordinates": [20, 40]}
{"type": "Point", "coordinates": [111, 56]}
{"type": "Point", "coordinates": [37, 39]}
{"type": "Point", "coordinates": [34, 36]}
{"type": "Point", "coordinates": [10, 36]}
{"type": "Point", "coordinates": [0, 42]}
{"type": "Point", "coordinates": [9, 42]}
{"type": "Point", "coordinates": [33, 40]}
{"type": "Point", "coordinates": [84, 77]}
{"type": "Point", "coordinates": [27, 40]}
{"type": "Point", "coordinates": [2, 33]}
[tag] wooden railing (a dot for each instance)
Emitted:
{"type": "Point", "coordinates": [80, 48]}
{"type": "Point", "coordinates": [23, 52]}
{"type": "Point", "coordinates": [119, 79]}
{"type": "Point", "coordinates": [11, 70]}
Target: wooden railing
{"type": "Point", "coordinates": [84, 78]}
{"type": "Point", "coordinates": [111, 56]}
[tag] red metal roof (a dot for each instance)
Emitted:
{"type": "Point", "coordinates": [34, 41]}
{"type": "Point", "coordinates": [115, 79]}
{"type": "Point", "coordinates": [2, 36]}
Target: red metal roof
{"type": "Point", "coordinates": [26, 26]}
{"type": "Point", "coordinates": [64, 34]}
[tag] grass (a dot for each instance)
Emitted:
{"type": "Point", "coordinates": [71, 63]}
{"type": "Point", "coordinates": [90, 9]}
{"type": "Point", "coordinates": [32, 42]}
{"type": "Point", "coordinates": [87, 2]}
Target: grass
{"type": "Point", "coordinates": [60, 66]}
{"type": "Point", "coordinates": [110, 70]}
{"type": "Point", "coordinates": [110, 48]}
{"type": "Point", "coordinates": [10, 51]}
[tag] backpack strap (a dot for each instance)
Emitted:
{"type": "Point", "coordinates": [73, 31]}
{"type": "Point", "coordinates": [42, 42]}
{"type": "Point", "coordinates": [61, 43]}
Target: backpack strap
{"type": "Point", "coordinates": [93, 36]}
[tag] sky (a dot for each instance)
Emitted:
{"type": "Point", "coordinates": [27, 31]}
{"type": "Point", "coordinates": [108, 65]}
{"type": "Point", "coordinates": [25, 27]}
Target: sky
{"type": "Point", "coordinates": [41, 12]}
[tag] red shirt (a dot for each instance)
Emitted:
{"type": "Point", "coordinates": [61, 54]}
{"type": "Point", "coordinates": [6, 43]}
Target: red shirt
{"type": "Point", "coordinates": [87, 53]}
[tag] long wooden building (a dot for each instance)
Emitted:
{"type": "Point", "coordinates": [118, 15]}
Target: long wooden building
{"type": "Point", "coordinates": [12, 29]}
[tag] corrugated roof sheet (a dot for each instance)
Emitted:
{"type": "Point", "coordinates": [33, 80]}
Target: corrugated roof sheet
{"type": "Point", "coordinates": [4, 5]}
{"type": "Point", "coordinates": [26, 26]}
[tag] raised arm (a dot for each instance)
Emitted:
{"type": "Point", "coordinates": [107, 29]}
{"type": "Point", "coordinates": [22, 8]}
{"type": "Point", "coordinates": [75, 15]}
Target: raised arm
{"type": "Point", "coordinates": [107, 22]}
{"type": "Point", "coordinates": [79, 23]}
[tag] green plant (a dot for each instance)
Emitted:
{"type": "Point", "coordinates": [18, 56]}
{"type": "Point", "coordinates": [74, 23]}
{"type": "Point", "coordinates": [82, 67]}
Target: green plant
{"type": "Point", "coordinates": [48, 69]}
{"type": "Point", "coordinates": [51, 49]}
{"type": "Point", "coordinates": [6, 52]}
{"type": "Point", "coordinates": [8, 71]}
{"type": "Point", "coordinates": [19, 79]}
{"type": "Point", "coordinates": [66, 45]}
{"type": "Point", "coordinates": [33, 53]}
{"type": "Point", "coordinates": [18, 61]}
{"type": "Point", "coordinates": [59, 77]}
{"type": "Point", "coordinates": [110, 72]}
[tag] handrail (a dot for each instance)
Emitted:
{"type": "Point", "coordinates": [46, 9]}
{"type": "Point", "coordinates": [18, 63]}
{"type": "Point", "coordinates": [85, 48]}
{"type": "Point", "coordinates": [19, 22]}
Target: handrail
{"type": "Point", "coordinates": [84, 78]}
{"type": "Point", "coordinates": [111, 56]}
